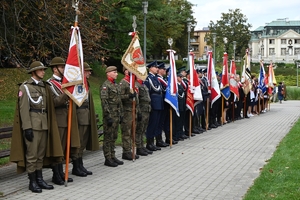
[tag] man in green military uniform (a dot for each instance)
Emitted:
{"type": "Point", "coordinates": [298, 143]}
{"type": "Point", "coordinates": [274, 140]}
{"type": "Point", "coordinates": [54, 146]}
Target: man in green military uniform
{"type": "Point", "coordinates": [35, 120]}
{"type": "Point", "coordinates": [143, 109]}
{"type": "Point", "coordinates": [87, 124]}
{"type": "Point", "coordinates": [61, 103]}
{"type": "Point", "coordinates": [127, 98]}
{"type": "Point", "coordinates": [112, 115]}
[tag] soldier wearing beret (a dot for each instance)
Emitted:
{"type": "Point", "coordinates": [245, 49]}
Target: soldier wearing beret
{"type": "Point", "coordinates": [35, 121]}
{"type": "Point", "coordinates": [61, 103]}
{"type": "Point", "coordinates": [157, 105]}
{"type": "Point", "coordinates": [87, 123]}
{"type": "Point", "coordinates": [112, 114]}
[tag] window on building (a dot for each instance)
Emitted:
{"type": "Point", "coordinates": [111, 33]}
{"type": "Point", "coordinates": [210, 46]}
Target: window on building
{"type": "Point", "coordinates": [193, 40]}
{"type": "Point", "coordinates": [205, 48]}
{"type": "Point", "coordinates": [271, 51]}
{"type": "Point", "coordinates": [297, 41]}
{"type": "Point", "coordinates": [271, 41]}
{"type": "Point", "coordinates": [262, 52]}
{"type": "Point", "coordinates": [283, 41]}
{"type": "Point", "coordinates": [297, 51]}
{"type": "Point", "coordinates": [283, 51]}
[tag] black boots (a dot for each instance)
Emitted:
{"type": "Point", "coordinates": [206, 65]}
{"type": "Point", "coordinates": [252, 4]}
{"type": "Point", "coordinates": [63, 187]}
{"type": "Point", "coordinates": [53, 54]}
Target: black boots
{"type": "Point", "coordinates": [62, 174]}
{"type": "Point", "coordinates": [141, 152]}
{"type": "Point", "coordinates": [83, 168]}
{"type": "Point", "coordinates": [40, 181]}
{"type": "Point", "coordinates": [56, 178]}
{"type": "Point", "coordinates": [160, 142]}
{"type": "Point", "coordinates": [116, 160]}
{"type": "Point", "coordinates": [110, 162]}
{"type": "Point", "coordinates": [77, 170]}
{"type": "Point", "coordinates": [33, 186]}
{"type": "Point", "coordinates": [128, 156]}
{"type": "Point", "coordinates": [150, 145]}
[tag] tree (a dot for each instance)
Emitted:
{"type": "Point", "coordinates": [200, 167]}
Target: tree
{"type": "Point", "coordinates": [234, 27]}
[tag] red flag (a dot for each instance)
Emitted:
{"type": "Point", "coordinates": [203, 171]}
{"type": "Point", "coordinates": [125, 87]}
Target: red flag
{"type": "Point", "coordinates": [194, 80]}
{"type": "Point", "coordinates": [232, 82]}
{"type": "Point", "coordinates": [190, 103]}
{"type": "Point", "coordinates": [213, 85]}
{"type": "Point", "coordinates": [74, 83]}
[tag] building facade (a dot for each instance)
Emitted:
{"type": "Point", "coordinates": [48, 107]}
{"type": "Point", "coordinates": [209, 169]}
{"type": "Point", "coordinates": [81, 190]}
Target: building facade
{"type": "Point", "coordinates": [198, 43]}
{"type": "Point", "coordinates": [278, 41]}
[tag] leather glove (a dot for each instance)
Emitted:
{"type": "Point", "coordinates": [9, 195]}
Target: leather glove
{"type": "Point", "coordinates": [139, 117]}
{"type": "Point", "coordinates": [121, 119]}
{"type": "Point", "coordinates": [110, 121]}
{"type": "Point", "coordinates": [29, 134]}
{"type": "Point", "coordinates": [131, 96]}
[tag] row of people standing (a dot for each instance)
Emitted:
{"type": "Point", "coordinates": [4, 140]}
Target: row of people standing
{"type": "Point", "coordinates": [41, 125]}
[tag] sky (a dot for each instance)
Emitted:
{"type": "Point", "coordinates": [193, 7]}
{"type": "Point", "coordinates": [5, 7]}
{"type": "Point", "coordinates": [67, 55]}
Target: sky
{"type": "Point", "coordinates": [258, 12]}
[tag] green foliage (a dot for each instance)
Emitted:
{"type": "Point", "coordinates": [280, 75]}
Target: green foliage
{"type": "Point", "coordinates": [280, 177]}
{"type": "Point", "coordinates": [232, 25]}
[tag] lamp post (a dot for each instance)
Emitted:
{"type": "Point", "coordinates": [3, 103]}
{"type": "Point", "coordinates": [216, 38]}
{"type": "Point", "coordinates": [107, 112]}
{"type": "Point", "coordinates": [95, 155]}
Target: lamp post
{"type": "Point", "coordinates": [234, 46]}
{"type": "Point", "coordinates": [214, 41]}
{"type": "Point", "coordinates": [297, 65]}
{"type": "Point", "coordinates": [145, 11]}
{"type": "Point", "coordinates": [189, 31]}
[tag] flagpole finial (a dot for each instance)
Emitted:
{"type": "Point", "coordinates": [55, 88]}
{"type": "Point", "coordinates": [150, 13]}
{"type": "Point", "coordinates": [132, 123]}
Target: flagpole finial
{"type": "Point", "coordinates": [134, 23]}
{"type": "Point", "coordinates": [170, 42]}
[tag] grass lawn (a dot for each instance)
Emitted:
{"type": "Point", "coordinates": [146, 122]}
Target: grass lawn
{"type": "Point", "coordinates": [280, 177]}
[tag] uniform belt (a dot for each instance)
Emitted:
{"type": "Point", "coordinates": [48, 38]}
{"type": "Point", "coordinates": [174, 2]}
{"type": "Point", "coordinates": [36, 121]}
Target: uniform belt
{"type": "Point", "coordinates": [43, 110]}
{"type": "Point", "coordinates": [82, 107]}
{"type": "Point", "coordinates": [64, 106]}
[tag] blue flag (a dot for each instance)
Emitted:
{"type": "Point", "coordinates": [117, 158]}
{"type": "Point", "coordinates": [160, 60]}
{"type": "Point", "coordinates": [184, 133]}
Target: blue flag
{"type": "Point", "coordinates": [172, 88]}
{"type": "Point", "coordinates": [261, 79]}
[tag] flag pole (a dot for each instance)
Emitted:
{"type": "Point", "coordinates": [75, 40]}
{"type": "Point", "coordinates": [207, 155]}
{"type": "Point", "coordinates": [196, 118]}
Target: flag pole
{"type": "Point", "coordinates": [171, 127]}
{"type": "Point", "coordinates": [207, 113]}
{"type": "Point", "coordinates": [74, 5]}
{"type": "Point", "coordinates": [132, 76]}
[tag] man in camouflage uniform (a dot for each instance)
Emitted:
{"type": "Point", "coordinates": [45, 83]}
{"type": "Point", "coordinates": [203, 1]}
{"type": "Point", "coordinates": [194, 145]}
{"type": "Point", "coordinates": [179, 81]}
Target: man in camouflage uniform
{"type": "Point", "coordinates": [127, 98]}
{"type": "Point", "coordinates": [87, 123]}
{"type": "Point", "coordinates": [112, 114]}
{"type": "Point", "coordinates": [35, 121]}
{"type": "Point", "coordinates": [61, 103]}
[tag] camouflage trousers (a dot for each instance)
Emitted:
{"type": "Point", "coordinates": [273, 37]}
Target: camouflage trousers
{"type": "Point", "coordinates": [110, 136]}
{"type": "Point", "coordinates": [126, 128]}
{"type": "Point", "coordinates": [141, 128]}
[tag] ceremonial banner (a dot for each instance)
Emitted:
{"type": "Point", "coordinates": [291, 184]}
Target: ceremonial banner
{"type": "Point", "coordinates": [133, 59]}
{"type": "Point", "coordinates": [224, 87]}
{"type": "Point", "coordinates": [271, 79]}
{"type": "Point", "coordinates": [74, 83]}
{"type": "Point", "coordinates": [213, 85]}
{"type": "Point", "coordinates": [194, 81]}
{"type": "Point", "coordinates": [233, 85]}
{"type": "Point", "coordinates": [261, 79]}
{"type": "Point", "coordinates": [246, 74]}
{"type": "Point", "coordinates": [172, 88]}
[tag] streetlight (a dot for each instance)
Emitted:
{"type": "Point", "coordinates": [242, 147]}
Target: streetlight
{"type": "Point", "coordinates": [234, 46]}
{"type": "Point", "coordinates": [189, 25]}
{"type": "Point", "coordinates": [145, 10]}
{"type": "Point", "coordinates": [214, 41]}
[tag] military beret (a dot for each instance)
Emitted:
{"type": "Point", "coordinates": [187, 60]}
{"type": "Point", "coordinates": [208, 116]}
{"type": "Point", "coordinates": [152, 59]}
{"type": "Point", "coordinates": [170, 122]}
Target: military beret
{"type": "Point", "coordinates": [187, 71]}
{"type": "Point", "coordinates": [204, 70]}
{"type": "Point", "coordinates": [179, 74]}
{"type": "Point", "coordinates": [152, 64]}
{"type": "Point", "coordinates": [110, 69]}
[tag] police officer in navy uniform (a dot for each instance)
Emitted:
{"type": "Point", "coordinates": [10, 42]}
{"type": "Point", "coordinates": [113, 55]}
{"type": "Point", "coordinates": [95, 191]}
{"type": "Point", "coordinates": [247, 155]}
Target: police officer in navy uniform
{"type": "Point", "coordinates": [157, 104]}
{"type": "Point", "coordinates": [164, 123]}
{"type": "Point", "coordinates": [205, 95]}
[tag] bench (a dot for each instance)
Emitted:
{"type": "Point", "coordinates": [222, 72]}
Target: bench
{"type": "Point", "coordinates": [6, 132]}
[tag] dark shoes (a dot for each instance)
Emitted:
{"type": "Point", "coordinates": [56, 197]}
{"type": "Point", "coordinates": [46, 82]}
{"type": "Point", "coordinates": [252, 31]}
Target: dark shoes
{"type": "Point", "coordinates": [161, 143]}
{"type": "Point", "coordinates": [82, 168]}
{"type": "Point", "coordinates": [62, 174]}
{"type": "Point", "coordinates": [116, 160]}
{"type": "Point", "coordinates": [33, 186]}
{"type": "Point", "coordinates": [40, 181]}
{"type": "Point", "coordinates": [128, 156]}
{"type": "Point", "coordinates": [56, 178]}
{"type": "Point", "coordinates": [141, 152]}
{"type": "Point", "coordinates": [173, 142]}
{"type": "Point", "coordinates": [110, 162]}
{"type": "Point", "coordinates": [147, 150]}
{"type": "Point", "coordinates": [77, 170]}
